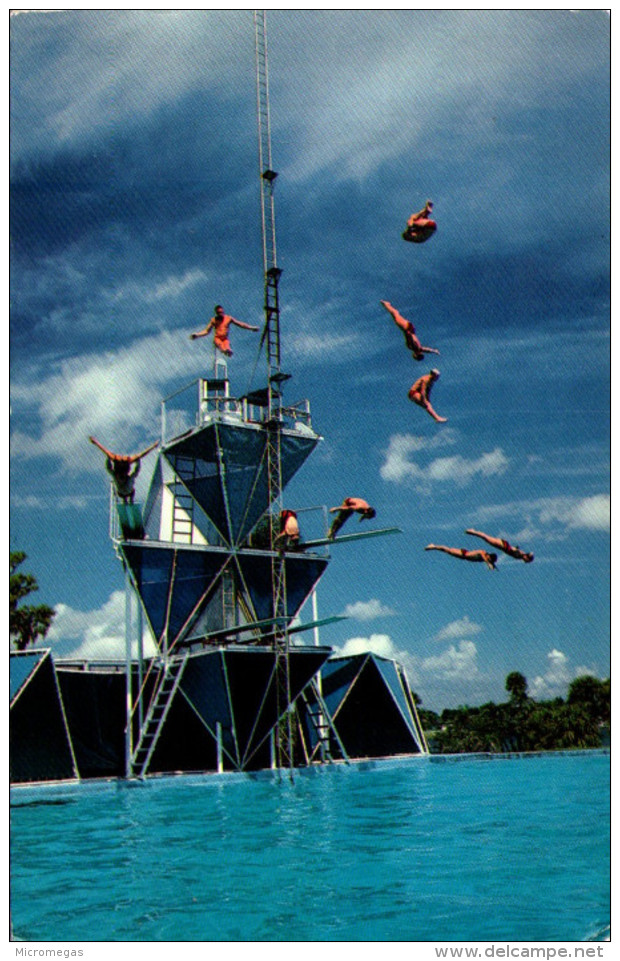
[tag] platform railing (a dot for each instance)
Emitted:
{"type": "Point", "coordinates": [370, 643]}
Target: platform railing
{"type": "Point", "coordinates": [207, 399]}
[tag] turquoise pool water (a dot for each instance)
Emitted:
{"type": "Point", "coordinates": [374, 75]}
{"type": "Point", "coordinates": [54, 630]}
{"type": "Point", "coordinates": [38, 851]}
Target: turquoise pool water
{"type": "Point", "coordinates": [423, 849]}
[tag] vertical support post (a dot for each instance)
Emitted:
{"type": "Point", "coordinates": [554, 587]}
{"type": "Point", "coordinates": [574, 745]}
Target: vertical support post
{"type": "Point", "coordinates": [140, 629]}
{"type": "Point", "coordinates": [218, 747]}
{"type": "Point", "coordinates": [128, 678]}
{"type": "Point", "coordinates": [315, 617]}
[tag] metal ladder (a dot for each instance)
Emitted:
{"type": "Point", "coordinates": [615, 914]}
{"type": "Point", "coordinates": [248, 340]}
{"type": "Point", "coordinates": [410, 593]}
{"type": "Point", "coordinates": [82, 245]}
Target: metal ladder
{"type": "Point", "coordinates": [183, 507]}
{"type": "Point", "coordinates": [161, 701]}
{"type": "Point", "coordinates": [229, 607]}
{"type": "Point", "coordinates": [324, 727]}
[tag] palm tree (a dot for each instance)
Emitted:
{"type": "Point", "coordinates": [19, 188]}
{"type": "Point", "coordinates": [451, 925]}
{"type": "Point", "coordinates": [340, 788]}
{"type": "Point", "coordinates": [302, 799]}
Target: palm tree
{"type": "Point", "coordinates": [516, 685]}
{"type": "Point", "coordinates": [28, 622]}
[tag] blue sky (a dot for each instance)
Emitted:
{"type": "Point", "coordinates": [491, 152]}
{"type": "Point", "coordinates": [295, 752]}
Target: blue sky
{"type": "Point", "coordinates": [135, 208]}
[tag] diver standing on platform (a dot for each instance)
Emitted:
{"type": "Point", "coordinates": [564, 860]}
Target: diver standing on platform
{"type": "Point", "coordinates": [220, 323]}
{"type": "Point", "coordinates": [119, 468]}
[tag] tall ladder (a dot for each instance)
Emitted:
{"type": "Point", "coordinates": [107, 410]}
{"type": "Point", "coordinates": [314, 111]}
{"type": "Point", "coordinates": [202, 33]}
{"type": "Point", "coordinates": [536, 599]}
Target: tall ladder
{"type": "Point", "coordinates": [183, 504]}
{"type": "Point", "coordinates": [229, 606]}
{"type": "Point", "coordinates": [275, 378]}
{"type": "Point", "coordinates": [161, 701]}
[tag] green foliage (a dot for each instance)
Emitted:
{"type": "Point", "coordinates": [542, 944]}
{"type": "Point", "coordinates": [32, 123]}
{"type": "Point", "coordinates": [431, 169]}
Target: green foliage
{"type": "Point", "coordinates": [516, 685]}
{"type": "Point", "coordinates": [522, 724]}
{"type": "Point", "coordinates": [26, 622]}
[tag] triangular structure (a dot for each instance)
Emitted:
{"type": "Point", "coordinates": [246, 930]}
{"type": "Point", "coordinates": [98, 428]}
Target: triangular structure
{"type": "Point", "coordinates": [370, 702]}
{"type": "Point", "coordinates": [224, 468]}
{"type": "Point", "coordinates": [40, 743]}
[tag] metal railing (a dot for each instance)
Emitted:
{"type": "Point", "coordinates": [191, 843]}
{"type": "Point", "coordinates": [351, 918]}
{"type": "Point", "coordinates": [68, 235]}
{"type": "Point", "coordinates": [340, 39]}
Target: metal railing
{"type": "Point", "coordinates": [207, 399]}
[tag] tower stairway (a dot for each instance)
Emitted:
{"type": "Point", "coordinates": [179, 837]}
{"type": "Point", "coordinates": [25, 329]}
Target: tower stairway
{"type": "Point", "coordinates": [161, 701]}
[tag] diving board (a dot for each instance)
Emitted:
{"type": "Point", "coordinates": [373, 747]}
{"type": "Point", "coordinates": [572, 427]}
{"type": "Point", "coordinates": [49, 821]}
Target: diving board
{"type": "Point", "coordinates": [348, 537]}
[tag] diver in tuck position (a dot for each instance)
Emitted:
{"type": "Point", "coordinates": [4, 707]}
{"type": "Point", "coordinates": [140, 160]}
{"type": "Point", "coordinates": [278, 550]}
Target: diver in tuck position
{"type": "Point", "coordinates": [419, 226]}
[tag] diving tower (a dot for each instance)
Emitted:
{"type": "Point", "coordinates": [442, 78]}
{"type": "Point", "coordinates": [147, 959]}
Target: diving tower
{"type": "Point", "coordinates": [232, 684]}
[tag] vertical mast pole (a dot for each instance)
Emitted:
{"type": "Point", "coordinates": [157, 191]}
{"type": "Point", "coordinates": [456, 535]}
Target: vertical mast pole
{"type": "Point", "coordinates": [275, 378]}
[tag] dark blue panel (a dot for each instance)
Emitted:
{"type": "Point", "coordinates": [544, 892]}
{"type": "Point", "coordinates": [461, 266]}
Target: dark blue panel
{"type": "Point", "coordinates": [204, 684]}
{"type": "Point", "coordinates": [21, 666]}
{"type": "Point", "coordinates": [388, 671]}
{"type": "Point", "coordinates": [293, 452]}
{"type": "Point", "coordinates": [255, 717]}
{"type": "Point", "coordinates": [195, 573]}
{"type": "Point", "coordinates": [152, 570]}
{"type": "Point", "coordinates": [252, 694]}
{"type": "Point", "coordinates": [301, 576]}
{"type": "Point", "coordinates": [337, 676]}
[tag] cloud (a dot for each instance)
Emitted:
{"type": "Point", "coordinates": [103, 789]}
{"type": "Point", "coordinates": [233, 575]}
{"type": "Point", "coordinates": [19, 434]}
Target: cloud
{"type": "Point", "coordinates": [380, 644]}
{"type": "Point", "coordinates": [588, 513]}
{"type": "Point", "coordinates": [548, 514]}
{"type": "Point", "coordinates": [399, 465]}
{"type": "Point", "coordinates": [115, 66]}
{"type": "Point", "coordinates": [168, 288]}
{"type": "Point", "coordinates": [66, 502]}
{"type": "Point", "coordinates": [458, 629]}
{"type": "Point", "coordinates": [367, 610]}
{"type": "Point", "coordinates": [94, 635]}
{"type": "Point", "coordinates": [457, 663]}
{"type": "Point", "coordinates": [556, 679]}
{"type": "Point", "coordinates": [114, 396]}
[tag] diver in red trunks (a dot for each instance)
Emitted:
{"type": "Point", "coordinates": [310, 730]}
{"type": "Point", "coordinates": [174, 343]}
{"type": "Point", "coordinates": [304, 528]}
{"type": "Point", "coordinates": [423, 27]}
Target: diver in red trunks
{"type": "Point", "coordinates": [220, 324]}
{"type": "Point", "coordinates": [408, 329]}
{"type": "Point", "coordinates": [526, 556]}
{"type": "Point", "coordinates": [419, 393]}
{"type": "Point", "coordinates": [477, 556]}
{"type": "Point", "coordinates": [419, 226]}
{"type": "Point", "coordinates": [349, 506]}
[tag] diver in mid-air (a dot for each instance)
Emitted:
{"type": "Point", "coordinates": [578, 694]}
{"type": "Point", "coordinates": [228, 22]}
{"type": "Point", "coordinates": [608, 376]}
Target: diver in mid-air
{"type": "Point", "coordinates": [526, 556]}
{"type": "Point", "coordinates": [220, 323]}
{"type": "Point", "coordinates": [420, 226]}
{"type": "Point", "coordinates": [411, 340]}
{"type": "Point", "coordinates": [419, 393]}
{"type": "Point", "coordinates": [349, 506]}
{"type": "Point", "coordinates": [477, 556]}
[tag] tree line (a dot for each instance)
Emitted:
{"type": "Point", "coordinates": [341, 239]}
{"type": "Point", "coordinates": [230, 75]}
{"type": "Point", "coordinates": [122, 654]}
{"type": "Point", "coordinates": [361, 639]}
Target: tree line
{"type": "Point", "coordinates": [582, 720]}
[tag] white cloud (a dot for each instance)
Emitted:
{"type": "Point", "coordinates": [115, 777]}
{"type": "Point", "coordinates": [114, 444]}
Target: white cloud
{"type": "Point", "coordinates": [111, 396]}
{"type": "Point", "coordinates": [167, 289]}
{"type": "Point", "coordinates": [591, 513]}
{"type": "Point", "coordinates": [380, 644]}
{"type": "Point", "coordinates": [400, 466]}
{"type": "Point", "coordinates": [552, 513]}
{"type": "Point", "coordinates": [117, 67]}
{"type": "Point", "coordinates": [94, 635]}
{"type": "Point", "coordinates": [457, 663]}
{"type": "Point", "coordinates": [367, 610]}
{"type": "Point", "coordinates": [555, 680]}
{"type": "Point", "coordinates": [458, 629]}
